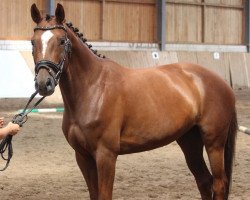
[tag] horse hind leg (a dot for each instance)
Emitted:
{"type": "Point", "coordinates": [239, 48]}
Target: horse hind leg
{"type": "Point", "coordinates": [215, 153]}
{"type": "Point", "coordinates": [192, 146]}
{"type": "Point", "coordinates": [220, 146]}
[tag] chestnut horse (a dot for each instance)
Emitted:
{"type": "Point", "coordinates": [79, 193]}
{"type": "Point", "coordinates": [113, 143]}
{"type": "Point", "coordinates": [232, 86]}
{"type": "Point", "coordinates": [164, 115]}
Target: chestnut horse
{"type": "Point", "coordinates": [111, 110]}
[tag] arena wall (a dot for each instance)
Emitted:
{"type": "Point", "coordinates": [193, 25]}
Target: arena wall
{"type": "Point", "coordinates": [234, 68]}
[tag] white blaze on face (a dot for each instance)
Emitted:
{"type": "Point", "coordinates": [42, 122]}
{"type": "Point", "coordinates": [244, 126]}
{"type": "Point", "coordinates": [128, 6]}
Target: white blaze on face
{"type": "Point", "coordinates": [46, 36]}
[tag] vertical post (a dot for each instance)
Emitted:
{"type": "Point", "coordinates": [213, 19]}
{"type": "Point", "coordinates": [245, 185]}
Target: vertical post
{"type": "Point", "coordinates": [102, 19]}
{"type": "Point", "coordinates": [203, 21]}
{"type": "Point", "coordinates": [247, 25]}
{"type": "Point", "coordinates": [50, 7]}
{"type": "Point", "coordinates": [161, 24]}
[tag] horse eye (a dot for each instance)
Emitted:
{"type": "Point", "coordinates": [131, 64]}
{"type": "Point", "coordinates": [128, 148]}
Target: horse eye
{"type": "Point", "coordinates": [62, 41]}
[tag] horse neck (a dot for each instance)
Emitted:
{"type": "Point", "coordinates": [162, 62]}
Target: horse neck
{"type": "Point", "coordinates": [82, 70]}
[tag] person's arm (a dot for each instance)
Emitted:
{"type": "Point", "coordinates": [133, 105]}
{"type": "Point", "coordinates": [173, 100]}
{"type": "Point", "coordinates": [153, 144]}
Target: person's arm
{"type": "Point", "coordinates": [10, 129]}
{"type": "Point", "coordinates": [1, 122]}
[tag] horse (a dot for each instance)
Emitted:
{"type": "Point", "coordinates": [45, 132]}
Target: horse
{"type": "Point", "coordinates": [111, 110]}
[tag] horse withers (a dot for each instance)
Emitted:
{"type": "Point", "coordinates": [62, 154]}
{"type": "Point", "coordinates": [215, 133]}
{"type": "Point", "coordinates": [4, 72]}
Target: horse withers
{"type": "Point", "coordinates": [112, 110]}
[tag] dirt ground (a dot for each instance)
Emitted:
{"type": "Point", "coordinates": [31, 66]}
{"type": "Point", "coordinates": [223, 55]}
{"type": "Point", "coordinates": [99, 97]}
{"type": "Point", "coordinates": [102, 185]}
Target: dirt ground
{"type": "Point", "coordinates": [44, 167]}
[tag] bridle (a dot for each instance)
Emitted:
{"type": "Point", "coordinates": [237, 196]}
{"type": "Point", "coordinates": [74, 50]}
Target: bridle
{"type": "Point", "coordinates": [21, 118]}
{"type": "Point", "coordinates": [54, 69]}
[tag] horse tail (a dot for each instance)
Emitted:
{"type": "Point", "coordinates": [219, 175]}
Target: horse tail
{"type": "Point", "coordinates": [230, 151]}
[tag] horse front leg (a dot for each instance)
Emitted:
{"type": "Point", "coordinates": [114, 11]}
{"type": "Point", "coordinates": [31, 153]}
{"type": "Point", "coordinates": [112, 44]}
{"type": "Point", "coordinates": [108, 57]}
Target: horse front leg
{"type": "Point", "coordinates": [105, 161]}
{"type": "Point", "coordinates": [88, 168]}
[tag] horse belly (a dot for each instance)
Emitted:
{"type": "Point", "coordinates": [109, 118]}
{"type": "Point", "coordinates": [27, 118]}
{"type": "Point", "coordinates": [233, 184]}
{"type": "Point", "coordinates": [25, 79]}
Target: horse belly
{"type": "Point", "coordinates": [154, 133]}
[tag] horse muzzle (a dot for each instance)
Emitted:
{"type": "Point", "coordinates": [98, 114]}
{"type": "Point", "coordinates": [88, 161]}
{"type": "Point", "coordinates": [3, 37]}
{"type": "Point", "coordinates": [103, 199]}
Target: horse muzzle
{"type": "Point", "coordinates": [45, 83]}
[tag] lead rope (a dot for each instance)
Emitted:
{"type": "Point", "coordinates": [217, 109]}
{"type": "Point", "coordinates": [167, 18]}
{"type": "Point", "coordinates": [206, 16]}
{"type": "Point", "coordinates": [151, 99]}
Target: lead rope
{"type": "Point", "coordinates": [20, 119]}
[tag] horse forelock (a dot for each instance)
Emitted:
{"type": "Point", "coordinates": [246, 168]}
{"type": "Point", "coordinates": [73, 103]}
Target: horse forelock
{"type": "Point", "coordinates": [49, 17]}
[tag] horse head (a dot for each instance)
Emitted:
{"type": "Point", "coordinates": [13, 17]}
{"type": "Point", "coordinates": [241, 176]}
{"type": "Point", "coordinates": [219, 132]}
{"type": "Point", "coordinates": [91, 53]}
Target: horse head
{"type": "Point", "coordinates": [51, 47]}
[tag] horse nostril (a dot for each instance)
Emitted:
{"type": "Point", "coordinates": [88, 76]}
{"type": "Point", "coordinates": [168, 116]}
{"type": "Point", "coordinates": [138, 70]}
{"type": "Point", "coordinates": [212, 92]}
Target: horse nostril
{"type": "Point", "coordinates": [49, 83]}
{"type": "Point", "coordinates": [36, 86]}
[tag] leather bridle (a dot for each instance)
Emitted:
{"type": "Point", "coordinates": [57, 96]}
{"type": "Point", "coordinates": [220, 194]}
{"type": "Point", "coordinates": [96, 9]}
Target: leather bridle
{"type": "Point", "coordinates": [54, 69]}
{"type": "Point", "coordinates": [21, 118]}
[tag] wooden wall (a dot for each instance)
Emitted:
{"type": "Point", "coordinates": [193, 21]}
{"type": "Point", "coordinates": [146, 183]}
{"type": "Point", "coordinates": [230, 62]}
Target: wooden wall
{"type": "Point", "coordinates": [85, 15]}
{"type": "Point", "coordinates": [129, 22]}
{"type": "Point", "coordinates": [187, 21]}
{"type": "Point", "coordinates": [183, 23]}
{"type": "Point", "coordinates": [114, 20]}
{"type": "Point", "coordinates": [205, 21]}
{"type": "Point", "coordinates": [15, 20]}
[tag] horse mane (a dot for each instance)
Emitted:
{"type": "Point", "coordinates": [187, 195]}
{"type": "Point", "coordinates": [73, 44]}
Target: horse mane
{"type": "Point", "coordinates": [84, 40]}
{"type": "Point", "coordinates": [49, 17]}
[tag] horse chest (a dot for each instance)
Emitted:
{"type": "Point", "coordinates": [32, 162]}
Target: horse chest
{"type": "Point", "coordinates": [72, 134]}
{"type": "Point", "coordinates": [82, 134]}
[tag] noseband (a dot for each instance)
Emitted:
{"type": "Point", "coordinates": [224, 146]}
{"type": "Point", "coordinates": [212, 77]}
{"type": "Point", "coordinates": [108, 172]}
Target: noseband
{"type": "Point", "coordinates": [49, 65]}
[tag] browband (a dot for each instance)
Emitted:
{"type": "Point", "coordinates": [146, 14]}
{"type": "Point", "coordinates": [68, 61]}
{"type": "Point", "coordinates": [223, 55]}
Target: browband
{"type": "Point", "coordinates": [45, 28]}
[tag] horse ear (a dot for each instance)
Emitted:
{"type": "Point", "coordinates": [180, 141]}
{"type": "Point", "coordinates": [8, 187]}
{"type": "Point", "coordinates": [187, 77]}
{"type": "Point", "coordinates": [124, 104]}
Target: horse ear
{"type": "Point", "coordinates": [60, 15]}
{"type": "Point", "coordinates": [35, 14]}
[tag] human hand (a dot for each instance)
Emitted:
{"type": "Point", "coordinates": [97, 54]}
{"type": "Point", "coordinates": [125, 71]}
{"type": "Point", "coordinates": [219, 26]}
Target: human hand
{"type": "Point", "coordinates": [1, 122]}
{"type": "Point", "coordinates": [13, 128]}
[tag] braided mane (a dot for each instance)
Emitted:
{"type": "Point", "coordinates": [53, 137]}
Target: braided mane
{"type": "Point", "coordinates": [84, 40]}
{"type": "Point", "coordinates": [49, 17]}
